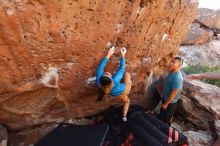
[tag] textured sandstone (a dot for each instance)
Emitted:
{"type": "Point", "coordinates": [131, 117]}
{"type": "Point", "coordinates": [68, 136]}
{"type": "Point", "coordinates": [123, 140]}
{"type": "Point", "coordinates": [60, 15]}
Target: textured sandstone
{"type": "Point", "coordinates": [200, 103]}
{"type": "Point", "coordinates": [210, 18]}
{"type": "Point", "coordinates": [198, 35]}
{"type": "Point", "coordinates": [3, 136]}
{"type": "Point", "coordinates": [217, 127]}
{"type": "Point", "coordinates": [199, 138]}
{"type": "Point", "coordinates": [204, 54]}
{"type": "Point", "coordinates": [50, 51]}
{"type": "Point", "coordinates": [217, 142]}
{"type": "Point", "coordinates": [205, 26]}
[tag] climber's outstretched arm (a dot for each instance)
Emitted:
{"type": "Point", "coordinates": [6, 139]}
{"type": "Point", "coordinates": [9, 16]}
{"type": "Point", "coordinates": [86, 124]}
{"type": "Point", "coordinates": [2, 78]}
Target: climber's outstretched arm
{"type": "Point", "coordinates": [120, 72]}
{"type": "Point", "coordinates": [101, 67]}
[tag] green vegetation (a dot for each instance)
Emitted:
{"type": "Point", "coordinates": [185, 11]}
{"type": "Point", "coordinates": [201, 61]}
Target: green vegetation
{"type": "Point", "coordinates": [194, 69]}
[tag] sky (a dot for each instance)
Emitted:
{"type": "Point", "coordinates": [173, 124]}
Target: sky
{"type": "Point", "coordinates": [212, 4]}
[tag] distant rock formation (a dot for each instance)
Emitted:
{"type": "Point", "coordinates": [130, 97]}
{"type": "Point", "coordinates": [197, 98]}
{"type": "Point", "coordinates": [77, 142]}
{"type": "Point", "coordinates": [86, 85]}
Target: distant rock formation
{"type": "Point", "coordinates": [210, 18]}
{"type": "Point", "coordinates": [207, 54]}
{"type": "Point", "coordinates": [205, 27]}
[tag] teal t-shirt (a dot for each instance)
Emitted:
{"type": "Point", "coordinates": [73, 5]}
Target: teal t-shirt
{"type": "Point", "coordinates": [174, 80]}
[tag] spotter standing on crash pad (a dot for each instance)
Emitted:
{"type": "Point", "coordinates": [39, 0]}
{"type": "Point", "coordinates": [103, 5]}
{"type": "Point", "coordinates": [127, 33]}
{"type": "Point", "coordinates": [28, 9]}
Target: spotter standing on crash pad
{"type": "Point", "coordinates": [112, 84]}
{"type": "Point", "coordinates": [170, 90]}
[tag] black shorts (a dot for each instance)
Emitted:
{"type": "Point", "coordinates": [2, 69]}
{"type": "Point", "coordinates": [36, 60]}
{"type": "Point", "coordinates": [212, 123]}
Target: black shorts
{"type": "Point", "coordinates": [167, 114]}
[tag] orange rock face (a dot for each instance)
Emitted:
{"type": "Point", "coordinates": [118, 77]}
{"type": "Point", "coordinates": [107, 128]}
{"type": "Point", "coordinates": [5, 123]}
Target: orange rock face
{"type": "Point", "coordinates": [49, 52]}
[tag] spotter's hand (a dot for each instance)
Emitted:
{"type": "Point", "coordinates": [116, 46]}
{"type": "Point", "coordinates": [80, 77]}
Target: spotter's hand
{"type": "Point", "coordinates": [123, 51]}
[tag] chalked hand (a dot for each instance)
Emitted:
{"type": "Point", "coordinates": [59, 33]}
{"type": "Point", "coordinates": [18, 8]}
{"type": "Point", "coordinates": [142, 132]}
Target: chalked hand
{"type": "Point", "coordinates": [111, 52]}
{"type": "Point", "coordinates": [123, 51]}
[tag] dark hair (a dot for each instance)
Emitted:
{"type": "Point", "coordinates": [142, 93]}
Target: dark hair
{"type": "Point", "coordinates": [105, 80]}
{"type": "Point", "coordinates": [179, 59]}
{"type": "Point", "coordinates": [105, 88]}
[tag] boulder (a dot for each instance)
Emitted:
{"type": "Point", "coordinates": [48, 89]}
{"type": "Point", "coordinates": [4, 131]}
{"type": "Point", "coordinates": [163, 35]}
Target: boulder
{"type": "Point", "coordinates": [194, 136]}
{"type": "Point", "coordinates": [50, 51]}
{"type": "Point", "coordinates": [218, 36]}
{"type": "Point", "coordinates": [199, 138]}
{"type": "Point", "coordinates": [181, 125]}
{"type": "Point", "coordinates": [217, 142]}
{"type": "Point", "coordinates": [3, 136]}
{"type": "Point", "coordinates": [210, 18]}
{"type": "Point", "coordinates": [200, 103]}
{"type": "Point", "coordinates": [204, 28]}
{"type": "Point", "coordinates": [197, 35]}
{"type": "Point", "coordinates": [217, 127]}
{"type": "Point", "coordinates": [205, 54]}
{"type": "Point", "coordinates": [30, 135]}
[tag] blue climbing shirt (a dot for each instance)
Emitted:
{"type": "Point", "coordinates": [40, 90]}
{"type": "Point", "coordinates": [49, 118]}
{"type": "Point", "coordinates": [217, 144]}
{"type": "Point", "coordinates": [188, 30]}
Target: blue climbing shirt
{"type": "Point", "coordinates": [174, 80]}
{"type": "Point", "coordinates": [118, 87]}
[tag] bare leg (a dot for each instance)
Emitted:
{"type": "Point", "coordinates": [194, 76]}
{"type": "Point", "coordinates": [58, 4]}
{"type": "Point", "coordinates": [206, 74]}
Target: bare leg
{"type": "Point", "coordinates": [125, 99]}
{"type": "Point", "coordinates": [128, 83]}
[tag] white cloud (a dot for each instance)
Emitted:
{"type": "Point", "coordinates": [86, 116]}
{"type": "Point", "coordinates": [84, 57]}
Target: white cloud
{"type": "Point", "coordinates": [212, 4]}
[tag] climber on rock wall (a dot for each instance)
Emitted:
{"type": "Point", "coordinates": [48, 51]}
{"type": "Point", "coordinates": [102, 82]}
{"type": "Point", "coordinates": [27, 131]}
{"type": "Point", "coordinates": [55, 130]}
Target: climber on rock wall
{"type": "Point", "coordinates": [170, 90]}
{"type": "Point", "coordinates": [118, 85]}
